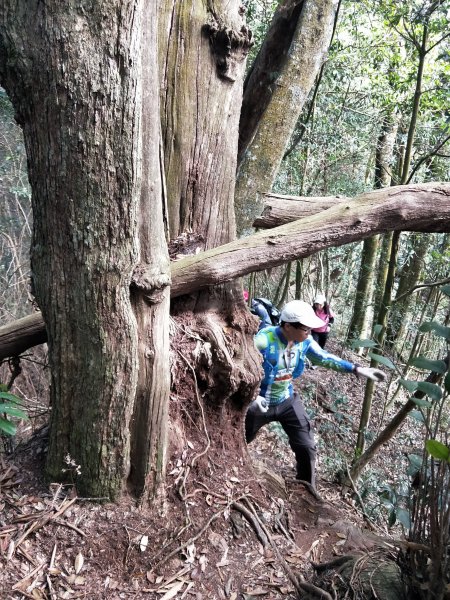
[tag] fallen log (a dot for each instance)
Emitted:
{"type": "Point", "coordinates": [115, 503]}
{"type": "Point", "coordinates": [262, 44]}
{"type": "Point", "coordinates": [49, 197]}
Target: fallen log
{"type": "Point", "coordinates": [18, 336]}
{"type": "Point", "coordinates": [424, 207]}
{"type": "Point", "coordinates": [279, 209]}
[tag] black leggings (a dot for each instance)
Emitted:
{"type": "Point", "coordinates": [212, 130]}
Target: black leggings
{"type": "Point", "coordinates": [292, 417]}
{"type": "Point", "coordinates": [320, 337]}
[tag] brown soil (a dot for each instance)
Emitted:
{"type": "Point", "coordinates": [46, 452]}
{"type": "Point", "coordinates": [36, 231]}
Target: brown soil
{"type": "Point", "coordinates": [241, 535]}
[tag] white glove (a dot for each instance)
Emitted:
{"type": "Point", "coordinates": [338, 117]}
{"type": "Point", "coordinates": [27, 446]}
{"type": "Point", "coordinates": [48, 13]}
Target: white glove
{"type": "Point", "coordinates": [369, 373]}
{"type": "Point", "coordinates": [261, 403]}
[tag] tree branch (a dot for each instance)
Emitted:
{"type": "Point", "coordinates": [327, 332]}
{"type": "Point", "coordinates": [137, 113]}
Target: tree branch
{"type": "Point", "coordinates": [424, 208]}
{"type": "Point", "coordinates": [419, 286]}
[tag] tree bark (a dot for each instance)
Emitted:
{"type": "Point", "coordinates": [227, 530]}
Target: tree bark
{"type": "Point", "coordinates": [410, 208]}
{"type": "Point", "coordinates": [270, 61]}
{"type": "Point", "coordinates": [363, 288]}
{"type": "Point", "coordinates": [383, 176]}
{"type": "Point", "coordinates": [278, 209]}
{"type": "Point", "coordinates": [399, 208]}
{"type": "Point", "coordinates": [150, 291]}
{"type": "Point", "coordinates": [409, 276]}
{"type": "Point", "coordinates": [290, 89]}
{"type": "Point", "coordinates": [73, 73]}
{"type": "Point", "coordinates": [19, 335]}
{"type": "Point", "coordinates": [202, 51]}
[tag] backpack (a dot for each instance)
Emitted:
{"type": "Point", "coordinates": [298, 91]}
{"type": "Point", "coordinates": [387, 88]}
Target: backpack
{"type": "Point", "coordinates": [274, 313]}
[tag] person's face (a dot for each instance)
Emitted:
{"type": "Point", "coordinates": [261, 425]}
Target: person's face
{"type": "Point", "coordinates": [318, 306]}
{"type": "Point", "coordinates": [296, 332]}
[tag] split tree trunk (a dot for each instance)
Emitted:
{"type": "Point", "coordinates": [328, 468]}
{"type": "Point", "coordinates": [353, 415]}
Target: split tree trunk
{"type": "Point", "coordinates": [284, 91]}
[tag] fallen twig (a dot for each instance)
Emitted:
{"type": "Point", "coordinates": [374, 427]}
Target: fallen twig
{"type": "Point", "coordinates": [38, 524]}
{"type": "Point", "coordinates": [70, 526]}
{"type": "Point", "coordinates": [31, 574]}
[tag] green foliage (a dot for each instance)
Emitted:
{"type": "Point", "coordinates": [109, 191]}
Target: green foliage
{"type": "Point", "coordinates": [9, 405]}
{"type": "Point", "coordinates": [387, 362]}
{"type": "Point", "coordinates": [370, 75]}
{"type": "Point", "coordinates": [421, 362]}
{"type": "Point", "coordinates": [438, 450]}
{"type": "Point", "coordinates": [437, 328]}
{"type": "Point", "coordinates": [363, 344]}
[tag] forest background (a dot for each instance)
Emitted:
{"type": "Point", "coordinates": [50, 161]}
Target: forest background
{"type": "Point", "coordinates": [376, 116]}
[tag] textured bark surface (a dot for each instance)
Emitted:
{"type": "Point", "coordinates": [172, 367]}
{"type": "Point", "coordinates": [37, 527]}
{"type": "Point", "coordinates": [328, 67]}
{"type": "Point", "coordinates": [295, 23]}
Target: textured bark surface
{"type": "Point", "coordinates": [18, 336]}
{"type": "Point", "coordinates": [408, 278]}
{"type": "Point", "coordinates": [72, 72]}
{"type": "Point", "coordinates": [214, 364]}
{"type": "Point", "coordinates": [203, 46]}
{"type": "Point", "coordinates": [364, 287]}
{"type": "Point", "coordinates": [261, 161]}
{"type": "Point", "coordinates": [278, 209]}
{"type": "Point", "coordinates": [409, 208]}
{"type": "Point", "coordinates": [150, 291]}
{"type": "Point", "coordinates": [367, 270]}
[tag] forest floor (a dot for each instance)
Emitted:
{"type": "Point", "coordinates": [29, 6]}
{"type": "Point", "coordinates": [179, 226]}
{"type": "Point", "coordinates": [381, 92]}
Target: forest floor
{"type": "Point", "coordinates": [246, 534]}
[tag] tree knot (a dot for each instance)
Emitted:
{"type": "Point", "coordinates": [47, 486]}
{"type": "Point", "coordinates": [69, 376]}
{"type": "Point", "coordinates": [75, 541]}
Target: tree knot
{"type": "Point", "coordinates": [229, 46]}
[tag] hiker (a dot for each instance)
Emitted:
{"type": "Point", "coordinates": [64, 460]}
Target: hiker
{"type": "Point", "coordinates": [266, 311]}
{"type": "Point", "coordinates": [325, 314]}
{"type": "Point", "coordinates": [284, 349]}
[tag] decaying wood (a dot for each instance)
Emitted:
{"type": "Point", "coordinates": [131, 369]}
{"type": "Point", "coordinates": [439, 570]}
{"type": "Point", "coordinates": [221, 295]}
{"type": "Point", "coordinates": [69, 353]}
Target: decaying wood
{"type": "Point", "coordinates": [424, 207]}
{"type": "Point", "coordinates": [274, 483]}
{"type": "Point", "coordinates": [18, 336]}
{"type": "Point", "coordinates": [279, 209]}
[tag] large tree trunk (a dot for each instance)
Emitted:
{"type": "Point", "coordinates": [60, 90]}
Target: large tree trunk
{"type": "Point", "coordinates": [74, 76]}
{"type": "Point", "coordinates": [216, 369]}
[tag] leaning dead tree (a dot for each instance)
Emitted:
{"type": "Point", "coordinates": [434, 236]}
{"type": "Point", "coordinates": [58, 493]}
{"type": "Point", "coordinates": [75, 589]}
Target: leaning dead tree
{"type": "Point", "coordinates": [424, 207]}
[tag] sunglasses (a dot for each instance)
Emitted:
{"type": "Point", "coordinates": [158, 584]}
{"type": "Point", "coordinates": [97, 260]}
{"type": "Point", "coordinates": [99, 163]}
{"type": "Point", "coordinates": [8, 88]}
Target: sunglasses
{"type": "Point", "coordinates": [301, 327]}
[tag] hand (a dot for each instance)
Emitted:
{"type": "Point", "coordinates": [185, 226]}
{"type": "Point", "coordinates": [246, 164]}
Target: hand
{"type": "Point", "coordinates": [375, 374]}
{"type": "Point", "coordinates": [261, 403]}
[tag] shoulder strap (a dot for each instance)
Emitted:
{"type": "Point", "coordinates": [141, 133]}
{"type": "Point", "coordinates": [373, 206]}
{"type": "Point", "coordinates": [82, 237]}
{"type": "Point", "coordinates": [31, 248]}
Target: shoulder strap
{"type": "Point", "coordinates": [270, 362]}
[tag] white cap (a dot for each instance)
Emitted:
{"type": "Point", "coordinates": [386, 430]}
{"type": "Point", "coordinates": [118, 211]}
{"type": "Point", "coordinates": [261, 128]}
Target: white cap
{"type": "Point", "coordinates": [298, 311]}
{"type": "Point", "coordinates": [320, 299]}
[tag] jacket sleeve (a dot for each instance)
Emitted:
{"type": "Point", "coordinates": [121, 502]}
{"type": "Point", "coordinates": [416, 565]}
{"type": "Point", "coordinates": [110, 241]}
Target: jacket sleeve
{"type": "Point", "coordinates": [318, 356]}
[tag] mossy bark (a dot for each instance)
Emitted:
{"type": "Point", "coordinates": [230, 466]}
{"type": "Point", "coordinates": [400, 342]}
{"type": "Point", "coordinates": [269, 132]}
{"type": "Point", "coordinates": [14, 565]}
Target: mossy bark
{"type": "Point", "coordinates": [73, 73]}
{"type": "Point", "coordinates": [409, 276]}
{"type": "Point", "coordinates": [289, 91]}
{"type": "Point", "coordinates": [363, 288]}
{"type": "Point", "coordinates": [383, 176]}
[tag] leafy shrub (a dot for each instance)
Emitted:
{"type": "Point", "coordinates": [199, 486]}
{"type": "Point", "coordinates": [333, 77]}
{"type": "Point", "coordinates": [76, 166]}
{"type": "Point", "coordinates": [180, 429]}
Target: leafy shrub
{"type": "Point", "coordinates": [9, 405]}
